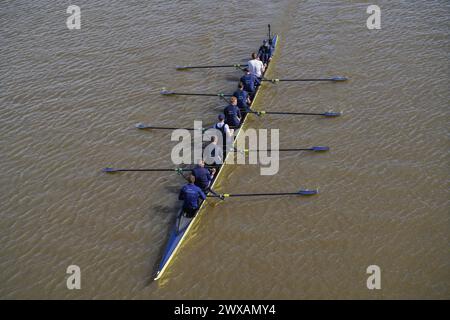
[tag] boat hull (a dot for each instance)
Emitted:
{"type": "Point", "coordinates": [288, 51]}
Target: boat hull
{"type": "Point", "coordinates": [184, 224]}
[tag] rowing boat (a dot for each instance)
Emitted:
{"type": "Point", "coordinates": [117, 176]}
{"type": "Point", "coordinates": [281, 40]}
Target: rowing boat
{"type": "Point", "coordinates": [183, 224]}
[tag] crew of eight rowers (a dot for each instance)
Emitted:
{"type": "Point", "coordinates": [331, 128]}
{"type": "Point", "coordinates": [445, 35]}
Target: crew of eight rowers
{"type": "Point", "coordinates": [200, 179]}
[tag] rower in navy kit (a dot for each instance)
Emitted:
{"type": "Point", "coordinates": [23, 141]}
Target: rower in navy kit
{"type": "Point", "coordinates": [243, 100]}
{"type": "Point", "coordinates": [232, 113]}
{"type": "Point", "coordinates": [192, 197]}
{"type": "Point", "coordinates": [203, 176]}
{"type": "Point", "coordinates": [250, 82]}
{"type": "Point", "coordinates": [227, 134]}
{"type": "Point", "coordinates": [265, 52]}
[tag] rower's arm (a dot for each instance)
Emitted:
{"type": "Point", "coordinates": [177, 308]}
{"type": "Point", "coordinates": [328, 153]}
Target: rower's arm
{"type": "Point", "coordinates": [181, 195]}
{"type": "Point", "coordinates": [202, 194]}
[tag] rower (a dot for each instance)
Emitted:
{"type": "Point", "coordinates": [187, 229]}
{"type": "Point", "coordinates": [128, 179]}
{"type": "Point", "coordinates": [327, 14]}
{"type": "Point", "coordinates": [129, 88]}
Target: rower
{"type": "Point", "coordinates": [255, 66]}
{"type": "Point", "coordinates": [215, 158]}
{"type": "Point", "coordinates": [243, 100]}
{"type": "Point", "coordinates": [203, 176]}
{"type": "Point", "coordinates": [265, 52]}
{"type": "Point", "coordinates": [232, 113]}
{"type": "Point", "coordinates": [250, 82]}
{"type": "Point", "coordinates": [227, 133]}
{"type": "Point", "coordinates": [191, 195]}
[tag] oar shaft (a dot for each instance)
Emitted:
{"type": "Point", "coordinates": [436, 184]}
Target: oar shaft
{"type": "Point", "coordinates": [296, 113]}
{"type": "Point", "coordinates": [149, 170]}
{"type": "Point", "coordinates": [334, 79]}
{"type": "Point", "coordinates": [315, 148]}
{"type": "Point", "coordinates": [168, 128]}
{"type": "Point", "coordinates": [255, 194]}
{"type": "Point", "coordinates": [143, 127]}
{"type": "Point", "coordinates": [288, 113]}
{"type": "Point", "coordinates": [262, 194]}
{"type": "Point", "coordinates": [283, 80]}
{"type": "Point", "coordinates": [299, 149]}
{"type": "Point", "coordinates": [197, 94]}
{"type": "Point", "coordinates": [214, 66]}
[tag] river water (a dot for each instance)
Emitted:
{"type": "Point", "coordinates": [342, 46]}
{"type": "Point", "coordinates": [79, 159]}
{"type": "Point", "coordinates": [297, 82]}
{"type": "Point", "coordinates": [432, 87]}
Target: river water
{"type": "Point", "coordinates": [70, 99]}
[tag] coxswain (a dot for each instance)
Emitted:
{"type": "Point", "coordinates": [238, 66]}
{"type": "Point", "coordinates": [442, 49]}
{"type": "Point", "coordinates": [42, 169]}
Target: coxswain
{"type": "Point", "coordinates": [255, 66]}
{"type": "Point", "coordinates": [203, 176]}
{"type": "Point", "coordinates": [250, 82]}
{"type": "Point", "coordinates": [192, 197]}
{"type": "Point", "coordinates": [243, 100]}
{"type": "Point", "coordinates": [232, 113]}
{"type": "Point", "coordinates": [265, 52]}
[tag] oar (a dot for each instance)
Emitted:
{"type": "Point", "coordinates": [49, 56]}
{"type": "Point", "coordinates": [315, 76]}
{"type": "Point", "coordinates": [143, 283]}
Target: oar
{"type": "Point", "coordinates": [335, 79]}
{"type": "Point", "coordinates": [145, 126]}
{"type": "Point", "coordinates": [302, 192]}
{"type": "Point", "coordinates": [112, 170]}
{"type": "Point", "coordinates": [172, 93]}
{"type": "Point", "coordinates": [225, 99]}
{"type": "Point", "coordinates": [315, 149]}
{"type": "Point", "coordinates": [237, 65]}
{"type": "Point", "coordinates": [325, 114]}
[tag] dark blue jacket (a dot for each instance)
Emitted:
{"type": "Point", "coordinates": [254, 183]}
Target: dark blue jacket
{"type": "Point", "coordinates": [265, 53]}
{"type": "Point", "coordinates": [202, 177]}
{"type": "Point", "coordinates": [190, 193]}
{"type": "Point", "coordinates": [241, 96]}
{"type": "Point", "coordinates": [250, 82]}
{"type": "Point", "coordinates": [232, 113]}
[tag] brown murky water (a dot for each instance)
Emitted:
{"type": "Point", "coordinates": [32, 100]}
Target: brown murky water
{"type": "Point", "coordinates": [70, 100]}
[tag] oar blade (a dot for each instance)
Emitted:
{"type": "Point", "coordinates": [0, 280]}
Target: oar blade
{"type": "Point", "coordinates": [141, 126]}
{"type": "Point", "coordinates": [108, 170]}
{"type": "Point", "coordinates": [320, 148]}
{"type": "Point", "coordinates": [166, 92]}
{"type": "Point", "coordinates": [331, 114]}
{"type": "Point", "coordinates": [308, 192]}
{"type": "Point", "coordinates": [339, 78]}
{"type": "Point", "coordinates": [183, 67]}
